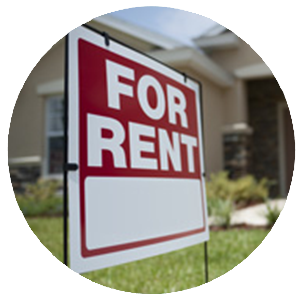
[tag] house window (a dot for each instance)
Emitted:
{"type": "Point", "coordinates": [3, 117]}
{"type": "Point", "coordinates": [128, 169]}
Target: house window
{"type": "Point", "coordinates": [54, 135]}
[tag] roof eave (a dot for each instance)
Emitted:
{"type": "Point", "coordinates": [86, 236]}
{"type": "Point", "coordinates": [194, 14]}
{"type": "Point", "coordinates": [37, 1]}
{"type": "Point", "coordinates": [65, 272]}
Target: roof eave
{"type": "Point", "coordinates": [220, 42]}
{"type": "Point", "coordinates": [143, 34]}
{"type": "Point", "coordinates": [197, 62]}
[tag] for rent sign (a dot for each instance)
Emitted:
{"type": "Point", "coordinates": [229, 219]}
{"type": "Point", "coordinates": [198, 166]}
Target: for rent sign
{"type": "Point", "coordinates": [135, 132]}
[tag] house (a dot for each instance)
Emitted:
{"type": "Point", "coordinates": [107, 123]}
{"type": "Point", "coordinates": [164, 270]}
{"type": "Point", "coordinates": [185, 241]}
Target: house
{"type": "Point", "coordinates": [247, 125]}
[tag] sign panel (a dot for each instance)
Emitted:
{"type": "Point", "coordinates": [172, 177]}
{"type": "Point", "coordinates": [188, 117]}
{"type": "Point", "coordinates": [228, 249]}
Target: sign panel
{"type": "Point", "coordinates": [135, 131]}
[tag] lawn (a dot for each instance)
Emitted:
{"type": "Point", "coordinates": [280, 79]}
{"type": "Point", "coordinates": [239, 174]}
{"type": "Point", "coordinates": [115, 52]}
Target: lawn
{"type": "Point", "coordinates": [175, 271]}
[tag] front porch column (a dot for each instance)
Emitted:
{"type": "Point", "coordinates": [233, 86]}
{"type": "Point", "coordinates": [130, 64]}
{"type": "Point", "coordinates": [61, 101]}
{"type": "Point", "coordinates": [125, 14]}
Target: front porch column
{"type": "Point", "coordinates": [237, 149]}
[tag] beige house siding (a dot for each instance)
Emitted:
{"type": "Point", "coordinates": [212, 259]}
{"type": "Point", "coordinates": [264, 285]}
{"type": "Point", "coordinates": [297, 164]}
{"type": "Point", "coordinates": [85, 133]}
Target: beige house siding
{"type": "Point", "coordinates": [213, 107]}
{"type": "Point", "coordinates": [213, 112]}
{"type": "Point", "coordinates": [27, 130]}
{"type": "Point", "coordinates": [235, 98]}
{"type": "Point", "coordinates": [235, 103]}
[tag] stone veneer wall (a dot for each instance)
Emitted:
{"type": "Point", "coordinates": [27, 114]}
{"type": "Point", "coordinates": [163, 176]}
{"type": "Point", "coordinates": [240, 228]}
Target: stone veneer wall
{"type": "Point", "coordinates": [237, 153]}
{"type": "Point", "coordinates": [263, 98]}
{"type": "Point", "coordinates": [22, 175]}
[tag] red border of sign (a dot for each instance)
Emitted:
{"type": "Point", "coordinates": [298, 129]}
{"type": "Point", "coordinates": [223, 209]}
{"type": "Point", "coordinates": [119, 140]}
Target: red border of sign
{"type": "Point", "coordinates": [85, 252]}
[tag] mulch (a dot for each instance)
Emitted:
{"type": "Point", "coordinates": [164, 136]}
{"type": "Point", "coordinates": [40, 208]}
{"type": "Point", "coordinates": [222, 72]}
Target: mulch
{"type": "Point", "coordinates": [242, 226]}
{"type": "Point", "coordinates": [248, 204]}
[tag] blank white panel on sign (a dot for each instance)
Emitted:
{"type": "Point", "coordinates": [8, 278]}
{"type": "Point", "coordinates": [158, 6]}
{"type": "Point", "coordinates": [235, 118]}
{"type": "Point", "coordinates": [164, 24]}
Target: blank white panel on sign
{"type": "Point", "coordinates": [156, 205]}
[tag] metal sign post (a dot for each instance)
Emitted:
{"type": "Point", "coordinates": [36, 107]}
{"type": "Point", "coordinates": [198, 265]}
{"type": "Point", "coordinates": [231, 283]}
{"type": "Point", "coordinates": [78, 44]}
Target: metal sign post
{"type": "Point", "coordinates": [206, 262]}
{"type": "Point", "coordinates": [206, 271]}
{"type": "Point", "coordinates": [65, 171]}
{"type": "Point", "coordinates": [66, 165]}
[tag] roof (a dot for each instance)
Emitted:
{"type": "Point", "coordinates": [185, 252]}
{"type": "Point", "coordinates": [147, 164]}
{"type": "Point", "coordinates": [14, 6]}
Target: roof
{"type": "Point", "coordinates": [227, 40]}
{"type": "Point", "coordinates": [215, 30]}
{"type": "Point", "coordinates": [217, 38]}
{"type": "Point", "coordinates": [196, 61]}
{"type": "Point", "coordinates": [169, 51]}
{"type": "Point", "coordinates": [148, 36]}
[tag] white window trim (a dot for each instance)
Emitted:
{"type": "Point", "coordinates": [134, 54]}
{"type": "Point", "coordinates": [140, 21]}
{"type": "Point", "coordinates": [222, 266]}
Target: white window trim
{"type": "Point", "coordinates": [53, 176]}
{"type": "Point", "coordinates": [24, 160]}
{"type": "Point", "coordinates": [51, 88]}
{"type": "Point", "coordinates": [49, 134]}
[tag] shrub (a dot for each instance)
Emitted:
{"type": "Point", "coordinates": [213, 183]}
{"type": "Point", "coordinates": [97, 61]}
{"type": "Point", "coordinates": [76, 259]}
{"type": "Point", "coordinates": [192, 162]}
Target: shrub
{"type": "Point", "coordinates": [209, 206]}
{"type": "Point", "coordinates": [242, 191]}
{"type": "Point", "coordinates": [49, 207]}
{"type": "Point", "coordinates": [212, 204]}
{"type": "Point", "coordinates": [42, 190]}
{"type": "Point", "coordinates": [247, 190]}
{"type": "Point", "coordinates": [221, 210]}
{"type": "Point", "coordinates": [41, 198]}
{"type": "Point", "coordinates": [218, 186]}
{"type": "Point", "coordinates": [272, 213]}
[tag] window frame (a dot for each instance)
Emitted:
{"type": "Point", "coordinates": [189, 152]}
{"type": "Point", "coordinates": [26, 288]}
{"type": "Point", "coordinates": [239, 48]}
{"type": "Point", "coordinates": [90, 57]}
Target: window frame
{"type": "Point", "coordinates": [50, 134]}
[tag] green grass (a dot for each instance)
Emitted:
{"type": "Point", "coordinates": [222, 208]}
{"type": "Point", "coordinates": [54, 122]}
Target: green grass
{"type": "Point", "coordinates": [175, 271]}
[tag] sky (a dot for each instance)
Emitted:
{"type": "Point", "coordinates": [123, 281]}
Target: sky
{"type": "Point", "coordinates": [177, 24]}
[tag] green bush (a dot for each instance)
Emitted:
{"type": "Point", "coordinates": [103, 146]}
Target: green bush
{"type": "Point", "coordinates": [218, 186]}
{"type": "Point", "coordinates": [213, 205]}
{"type": "Point", "coordinates": [248, 190]}
{"type": "Point", "coordinates": [272, 213]}
{"type": "Point", "coordinates": [243, 191]}
{"type": "Point", "coordinates": [41, 198]}
{"type": "Point", "coordinates": [221, 210]}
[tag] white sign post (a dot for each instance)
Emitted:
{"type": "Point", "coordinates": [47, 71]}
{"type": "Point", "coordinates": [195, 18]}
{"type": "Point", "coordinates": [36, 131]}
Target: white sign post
{"type": "Point", "coordinates": [134, 130]}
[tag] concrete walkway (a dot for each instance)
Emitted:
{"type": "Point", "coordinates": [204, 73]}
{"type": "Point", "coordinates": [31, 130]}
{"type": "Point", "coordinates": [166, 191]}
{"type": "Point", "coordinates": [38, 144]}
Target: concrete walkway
{"type": "Point", "coordinates": [255, 215]}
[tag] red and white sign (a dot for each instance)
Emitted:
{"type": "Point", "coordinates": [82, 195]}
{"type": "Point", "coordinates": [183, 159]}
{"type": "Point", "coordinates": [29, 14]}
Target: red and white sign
{"type": "Point", "coordinates": [135, 132]}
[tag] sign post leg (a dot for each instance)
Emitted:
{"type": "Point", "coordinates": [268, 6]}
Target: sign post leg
{"type": "Point", "coordinates": [65, 224]}
{"type": "Point", "coordinates": [206, 262]}
{"type": "Point", "coordinates": [65, 182]}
